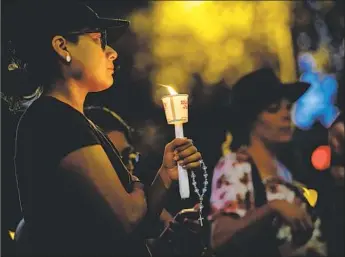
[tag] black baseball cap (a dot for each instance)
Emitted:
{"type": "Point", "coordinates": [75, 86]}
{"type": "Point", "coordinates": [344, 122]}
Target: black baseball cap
{"type": "Point", "coordinates": [38, 19]}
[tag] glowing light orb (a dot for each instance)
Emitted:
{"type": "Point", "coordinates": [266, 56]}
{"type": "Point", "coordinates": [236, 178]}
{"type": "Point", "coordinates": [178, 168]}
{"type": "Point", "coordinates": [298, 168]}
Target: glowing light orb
{"type": "Point", "coordinates": [317, 104]}
{"type": "Point", "coordinates": [321, 157]}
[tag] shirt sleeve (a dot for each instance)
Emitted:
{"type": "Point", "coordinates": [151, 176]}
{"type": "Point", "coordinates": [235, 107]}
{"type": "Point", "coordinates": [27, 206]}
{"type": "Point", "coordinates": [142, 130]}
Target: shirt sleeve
{"type": "Point", "coordinates": [232, 188]}
{"type": "Point", "coordinates": [61, 132]}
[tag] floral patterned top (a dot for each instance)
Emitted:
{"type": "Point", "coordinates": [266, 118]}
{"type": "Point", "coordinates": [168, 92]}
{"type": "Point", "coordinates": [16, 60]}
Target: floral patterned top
{"type": "Point", "coordinates": [233, 193]}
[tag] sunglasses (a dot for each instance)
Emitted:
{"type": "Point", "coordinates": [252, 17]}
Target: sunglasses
{"type": "Point", "coordinates": [104, 41]}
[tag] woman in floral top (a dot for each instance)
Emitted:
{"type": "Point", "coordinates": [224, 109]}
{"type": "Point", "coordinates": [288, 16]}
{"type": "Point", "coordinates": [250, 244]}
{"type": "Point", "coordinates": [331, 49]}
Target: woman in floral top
{"type": "Point", "coordinates": [257, 207]}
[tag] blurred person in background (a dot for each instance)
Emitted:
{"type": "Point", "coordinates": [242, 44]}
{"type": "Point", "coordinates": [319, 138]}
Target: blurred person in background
{"type": "Point", "coordinates": [336, 134]}
{"type": "Point", "coordinates": [257, 207]}
{"type": "Point", "coordinates": [335, 217]}
{"type": "Point", "coordinates": [336, 142]}
{"type": "Point", "coordinates": [118, 131]}
{"type": "Point", "coordinates": [161, 240]}
{"type": "Point", "coordinates": [77, 196]}
{"type": "Point", "coordinates": [123, 137]}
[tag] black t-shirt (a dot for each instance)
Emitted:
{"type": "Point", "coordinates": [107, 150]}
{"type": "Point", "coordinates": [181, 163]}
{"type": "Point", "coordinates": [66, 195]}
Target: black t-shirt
{"type": "Point", "coordinates": [62, 215]}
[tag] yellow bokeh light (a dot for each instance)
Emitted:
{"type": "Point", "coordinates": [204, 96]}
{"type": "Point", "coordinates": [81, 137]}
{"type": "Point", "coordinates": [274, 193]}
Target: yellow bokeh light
{"type": "Point", "coordinates": [227, 143]}
{"type": "Point", "coordinates": [171, 75]}
{"type": "Point", "coordinates": [311, 195]}
{"type": "Point", "coordinates": [11, 234]}
{"type": "Point", "coordinates": [322, 58]}
{"type": "Point", "coordinates": [191, 4]}
{"type": "Point", "coordinates": [216, 39]}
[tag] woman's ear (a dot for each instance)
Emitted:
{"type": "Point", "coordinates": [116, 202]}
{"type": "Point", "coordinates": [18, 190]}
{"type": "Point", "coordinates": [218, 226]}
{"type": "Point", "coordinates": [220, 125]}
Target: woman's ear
{"type": "Point", "coordinates": [59, 45]}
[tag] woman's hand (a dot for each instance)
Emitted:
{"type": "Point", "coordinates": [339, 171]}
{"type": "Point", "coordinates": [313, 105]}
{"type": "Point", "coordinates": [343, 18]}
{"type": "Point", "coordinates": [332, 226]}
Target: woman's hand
{"type": "Point", "coordinates": [182, 151]}
{"type": "Point", "coordinates": [294, 215]}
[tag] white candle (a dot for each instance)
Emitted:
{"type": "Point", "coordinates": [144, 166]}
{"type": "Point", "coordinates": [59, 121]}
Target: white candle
{"type": "Point", "coordinates": [172, 111]}
{"type": "Point", "coordinates": [182, 173]}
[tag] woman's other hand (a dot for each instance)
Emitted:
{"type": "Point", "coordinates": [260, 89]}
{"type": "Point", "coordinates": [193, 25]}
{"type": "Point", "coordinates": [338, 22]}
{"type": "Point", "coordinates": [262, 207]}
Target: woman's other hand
{"type": "Point", "coordinates": [296, 216]}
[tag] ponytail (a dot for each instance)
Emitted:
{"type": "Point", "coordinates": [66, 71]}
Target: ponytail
{"type": "Point", "coordinates": [17, 90]}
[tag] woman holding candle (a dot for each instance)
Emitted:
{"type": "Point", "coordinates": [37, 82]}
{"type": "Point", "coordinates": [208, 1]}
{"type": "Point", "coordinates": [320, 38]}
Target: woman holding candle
{"type": "Point", "coordinates": [257, 206]}
{"type": "Point", "coordinates": [77, 197]}
{"type": "Point", "coordinates": [122, 137]}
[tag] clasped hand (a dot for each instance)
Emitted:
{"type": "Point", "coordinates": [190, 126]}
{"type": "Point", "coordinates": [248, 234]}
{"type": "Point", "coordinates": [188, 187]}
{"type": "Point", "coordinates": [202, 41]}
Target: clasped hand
{"type": "Point", "coordinates": [180, 151]}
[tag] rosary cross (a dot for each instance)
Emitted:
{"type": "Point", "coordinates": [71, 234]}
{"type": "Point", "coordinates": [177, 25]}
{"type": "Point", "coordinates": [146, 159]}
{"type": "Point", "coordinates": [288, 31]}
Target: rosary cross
{"type": "Point", "coordinates": [200, 220]}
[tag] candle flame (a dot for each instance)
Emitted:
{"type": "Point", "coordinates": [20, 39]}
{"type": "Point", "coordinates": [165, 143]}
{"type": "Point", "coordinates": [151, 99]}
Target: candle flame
{"type": "Point", "coordinates": [170, 89]}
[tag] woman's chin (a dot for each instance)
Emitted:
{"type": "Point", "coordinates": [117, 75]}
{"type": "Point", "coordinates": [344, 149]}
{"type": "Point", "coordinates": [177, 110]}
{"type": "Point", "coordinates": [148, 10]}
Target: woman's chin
{"type": "Point", "coordinates": [102, 87]}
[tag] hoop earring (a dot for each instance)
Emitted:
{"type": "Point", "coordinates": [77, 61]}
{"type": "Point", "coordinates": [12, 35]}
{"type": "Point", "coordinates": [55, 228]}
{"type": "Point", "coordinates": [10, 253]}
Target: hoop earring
{"type": "Point", "coordinates": [68, 58]}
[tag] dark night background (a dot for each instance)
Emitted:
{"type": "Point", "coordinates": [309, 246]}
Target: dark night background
{"type": "Point", "coordinates": [131, 98]}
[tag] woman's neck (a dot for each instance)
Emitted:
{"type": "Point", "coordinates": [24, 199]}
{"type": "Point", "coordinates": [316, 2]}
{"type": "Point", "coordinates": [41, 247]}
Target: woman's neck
{"type": "Point", "coordinates": [264, 157]}
{"type": "Point", "coordinates": [70, 93]}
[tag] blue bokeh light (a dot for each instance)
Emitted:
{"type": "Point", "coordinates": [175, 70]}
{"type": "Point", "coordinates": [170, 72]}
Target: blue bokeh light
{"type": "Point", "coordinates": [317, 104]}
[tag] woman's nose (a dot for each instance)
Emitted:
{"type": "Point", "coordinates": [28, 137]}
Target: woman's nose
{"type": "Point", "coordinates": [286, 110]}
{"type": "Point", "coordinates": [286, 114]}
{"type": "Point", "coordinates": [111, 53]}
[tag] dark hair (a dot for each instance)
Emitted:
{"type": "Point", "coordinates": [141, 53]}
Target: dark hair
{"type": "Point", "coordinates": [240, 134]}
{"type": "Point", "coordinates": [29, 43]}
{"type": "Point", "coordinates": [240, 126]}
{"type": "Point", "coordinates": [28, 69]}
{"type": "Point", "coordinates": [42, 61]}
